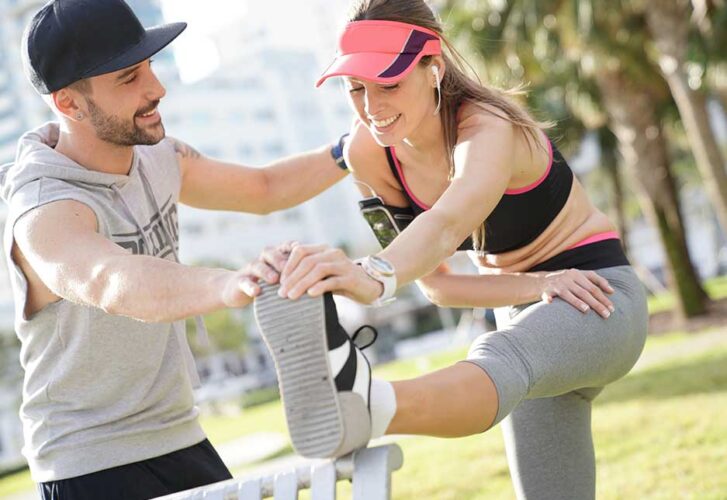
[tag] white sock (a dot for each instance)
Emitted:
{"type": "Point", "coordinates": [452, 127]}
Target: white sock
{"type": "Point", "coordinates": [383, 406]}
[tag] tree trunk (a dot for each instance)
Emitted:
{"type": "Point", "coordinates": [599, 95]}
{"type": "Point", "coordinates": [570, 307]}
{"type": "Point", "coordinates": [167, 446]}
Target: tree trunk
{"type": "Point", "coordinates": [617, 203]}
{"type": "Point", "coordinates": [668, 22]}
{"type": "Point", "coordinates": [632, 112]}
{"type": "Point", "coordinates": [610, 163]}
{"type": "Point", "coordinates": [721, 94]}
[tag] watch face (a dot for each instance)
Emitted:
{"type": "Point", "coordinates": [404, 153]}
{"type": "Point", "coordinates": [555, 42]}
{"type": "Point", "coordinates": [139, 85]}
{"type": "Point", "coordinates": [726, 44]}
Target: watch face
{"type": "Point", "coordinates": [382, 266]}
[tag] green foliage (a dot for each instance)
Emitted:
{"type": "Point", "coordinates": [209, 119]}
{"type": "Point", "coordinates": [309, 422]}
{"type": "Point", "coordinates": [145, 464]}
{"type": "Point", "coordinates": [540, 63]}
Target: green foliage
{"type": "Point", "coordinates": [259, 397]}
{"type": "Point", "coordinates": [716, 289]}
{"type": "Point", "coordinates": [227, 332]}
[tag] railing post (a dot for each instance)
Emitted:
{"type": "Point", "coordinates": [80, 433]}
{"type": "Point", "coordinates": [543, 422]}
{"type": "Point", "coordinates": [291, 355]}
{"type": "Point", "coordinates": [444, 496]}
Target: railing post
{"type": "Point", "coordinates": [372, 468]}
{"type": "Point", "coordinates": [286, 486]}
{"type": "Point", "coordinates": [323, 481]}
{"type": "Point", "coordinates": [252, 489]}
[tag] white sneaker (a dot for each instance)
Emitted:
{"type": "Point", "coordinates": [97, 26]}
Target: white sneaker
{"type": "Point", "coordinates": [324, 378]}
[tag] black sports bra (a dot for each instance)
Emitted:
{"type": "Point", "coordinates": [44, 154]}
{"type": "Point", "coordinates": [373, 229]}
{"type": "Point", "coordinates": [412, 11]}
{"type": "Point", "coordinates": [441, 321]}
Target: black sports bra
{"type": "Point", "coordinates": [521, 214]}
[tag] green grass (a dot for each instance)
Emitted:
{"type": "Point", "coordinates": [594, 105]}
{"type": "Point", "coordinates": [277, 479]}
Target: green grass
{"type": "Point", "coordinates": [15, 483]}
{"type": "Point", "coordinates": [716, 289]}
{"type": "Point", "coordinates": [267, 417]}
{"type": "Point", "coordinates": [660, 433]}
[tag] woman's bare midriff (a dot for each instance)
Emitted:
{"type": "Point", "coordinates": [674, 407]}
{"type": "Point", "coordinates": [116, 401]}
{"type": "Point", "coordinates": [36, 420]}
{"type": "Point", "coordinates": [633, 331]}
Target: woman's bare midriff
{"type": "Point", "coordinates": [577, 221]}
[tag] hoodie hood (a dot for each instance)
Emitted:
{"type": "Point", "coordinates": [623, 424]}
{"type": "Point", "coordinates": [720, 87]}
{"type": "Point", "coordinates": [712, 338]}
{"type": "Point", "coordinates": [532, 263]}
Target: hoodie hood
{"type": "Point", "coordinates": [36, 158]}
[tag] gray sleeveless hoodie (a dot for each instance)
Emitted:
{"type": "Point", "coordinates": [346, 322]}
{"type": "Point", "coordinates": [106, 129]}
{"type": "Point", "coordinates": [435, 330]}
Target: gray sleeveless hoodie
{"type": "Point", "coordinates": [100, 390]}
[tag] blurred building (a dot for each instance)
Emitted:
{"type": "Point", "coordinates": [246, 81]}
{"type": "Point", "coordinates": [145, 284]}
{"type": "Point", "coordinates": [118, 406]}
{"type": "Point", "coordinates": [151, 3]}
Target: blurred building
{"type": "Point", "coordinates": [20, 109]}
{"type": "Point", "coordinates": [150, 14]}
{"type": "Point", "coordinates": [252, 114]}
{"type": "Point", "coordinates": [20, 106]}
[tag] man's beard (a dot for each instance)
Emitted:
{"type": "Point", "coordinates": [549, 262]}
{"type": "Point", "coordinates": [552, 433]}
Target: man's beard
{"type": "Point", "coordinates": [121, 132]}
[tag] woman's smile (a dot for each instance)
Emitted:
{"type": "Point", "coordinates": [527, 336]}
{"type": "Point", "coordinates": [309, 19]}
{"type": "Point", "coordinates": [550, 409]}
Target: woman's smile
{"type": "Point", "coordinates": [385, 125]}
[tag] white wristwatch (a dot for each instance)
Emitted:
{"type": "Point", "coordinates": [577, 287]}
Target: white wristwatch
{"type": "Point", "coordinates": [382, 271]}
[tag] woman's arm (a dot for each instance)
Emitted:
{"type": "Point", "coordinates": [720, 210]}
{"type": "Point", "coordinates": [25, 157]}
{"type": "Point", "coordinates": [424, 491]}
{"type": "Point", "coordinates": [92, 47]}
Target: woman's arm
{"type": "Point", "coordinates": [584, 290]}
{"type": "Point", "coordinates": [483, 164]}
{"type": "Point", "coordinates": [483, 168]}
{"type": "Point", "coordinates": [323, 269]}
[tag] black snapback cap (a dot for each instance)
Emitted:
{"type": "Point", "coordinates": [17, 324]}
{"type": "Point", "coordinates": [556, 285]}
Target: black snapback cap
{"type": "Point", "coordinates": [69, 40]}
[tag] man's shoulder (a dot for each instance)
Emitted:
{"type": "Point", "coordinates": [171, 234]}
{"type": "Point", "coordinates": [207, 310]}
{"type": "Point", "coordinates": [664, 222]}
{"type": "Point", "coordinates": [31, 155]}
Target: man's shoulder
{"type": "Point", "coordinates": [164, 149]}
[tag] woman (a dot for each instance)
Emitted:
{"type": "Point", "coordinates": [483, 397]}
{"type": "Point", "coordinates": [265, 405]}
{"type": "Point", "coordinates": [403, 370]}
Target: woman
{"type": "Point", "coordinates": [479, 173]}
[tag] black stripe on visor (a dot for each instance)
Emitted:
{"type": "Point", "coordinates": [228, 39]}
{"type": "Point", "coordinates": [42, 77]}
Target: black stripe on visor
{"type": "Point", "coordinates": [414, 45]}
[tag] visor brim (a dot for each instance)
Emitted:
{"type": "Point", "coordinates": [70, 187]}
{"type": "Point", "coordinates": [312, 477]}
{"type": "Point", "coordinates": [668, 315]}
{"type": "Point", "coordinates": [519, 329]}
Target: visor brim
{"type": "Point", "coordinates": [369, 66]}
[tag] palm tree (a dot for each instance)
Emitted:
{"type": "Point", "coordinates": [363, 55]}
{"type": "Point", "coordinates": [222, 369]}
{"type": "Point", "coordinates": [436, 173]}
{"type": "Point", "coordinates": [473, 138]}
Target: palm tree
{"type": "Point", "coordinates": [632, 95]}
{"type": "Point", "coordinates": [633, 112]}
{"type": "Point", "coordinates": [710, 17]}
{"type": "Point", "coordinates": [669, 25]}
{"type": "Point", "coordinates": [574, 64]}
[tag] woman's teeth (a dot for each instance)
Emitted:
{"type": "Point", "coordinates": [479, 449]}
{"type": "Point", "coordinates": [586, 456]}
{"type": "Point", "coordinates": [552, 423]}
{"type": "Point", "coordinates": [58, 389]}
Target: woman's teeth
{"type": "Point", "coordinates": [385, 123]}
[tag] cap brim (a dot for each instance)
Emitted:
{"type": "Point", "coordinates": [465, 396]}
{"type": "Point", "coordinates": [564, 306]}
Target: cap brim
{"type": "Point", "coordinates": [371, 66]}
{"type": "Point", "coordinates": [155, 39]}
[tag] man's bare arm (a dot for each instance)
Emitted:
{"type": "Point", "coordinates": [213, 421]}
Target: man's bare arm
{"type": "Point", "coordinates": [60, 242]}
{"type": "Point", "coordinates": [217, 185]}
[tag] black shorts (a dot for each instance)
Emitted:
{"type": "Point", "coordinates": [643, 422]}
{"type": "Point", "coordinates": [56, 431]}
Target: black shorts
{"type": "Point", "coordinates": [180, 470]}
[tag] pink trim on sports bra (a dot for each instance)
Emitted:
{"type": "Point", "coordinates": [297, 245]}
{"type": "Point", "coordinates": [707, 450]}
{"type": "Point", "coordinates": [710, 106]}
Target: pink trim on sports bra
{"type": "Point", "coordinates": [403, 181]}
{"type": "Point", "coordinates": [537, 183]}
{"type": "Point", "coordinates": [517, 191]}
{"type": "Point", "coordinates": [608, 235]}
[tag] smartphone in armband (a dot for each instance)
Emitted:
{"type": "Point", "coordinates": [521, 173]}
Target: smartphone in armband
{"type": "Point", "coordinates": [385, 221]}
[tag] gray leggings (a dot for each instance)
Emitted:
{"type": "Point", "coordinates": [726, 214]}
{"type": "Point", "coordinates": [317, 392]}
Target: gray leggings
{"type": "Point", "coordinates": [548, 362]}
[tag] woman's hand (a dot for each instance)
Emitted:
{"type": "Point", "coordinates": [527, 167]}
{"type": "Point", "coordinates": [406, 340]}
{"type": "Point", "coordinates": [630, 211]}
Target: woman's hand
{"type": "Point", "coordinates": [583, 290]}
{"type": "Point", "coordinates": [316, 269]}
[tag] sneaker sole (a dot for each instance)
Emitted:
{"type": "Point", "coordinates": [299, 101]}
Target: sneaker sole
{"type": "Point", "coordinates": [294, 331]}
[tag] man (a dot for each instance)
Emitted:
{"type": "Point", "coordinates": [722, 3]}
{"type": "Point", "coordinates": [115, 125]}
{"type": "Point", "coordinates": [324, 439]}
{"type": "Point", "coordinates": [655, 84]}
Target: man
{"type": "Point", "coordinates": [91, 241]}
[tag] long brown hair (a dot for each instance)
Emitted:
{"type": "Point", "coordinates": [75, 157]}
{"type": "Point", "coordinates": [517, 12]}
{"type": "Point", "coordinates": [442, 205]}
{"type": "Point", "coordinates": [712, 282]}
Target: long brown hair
{"type": "Point", "coordinates": [457, 86]}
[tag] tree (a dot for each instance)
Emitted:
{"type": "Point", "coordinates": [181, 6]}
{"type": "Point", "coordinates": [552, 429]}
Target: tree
{"type": "Point", "coordinates": [641, 140]}
{"type": "Point", "coordinates": [669, 25]}
{"type": "Point", "coordinates": [710, 17]}
{"type": "Point", "coordinates": [608, 39]}
{"type": "Point", "coordinates": [592, 54]}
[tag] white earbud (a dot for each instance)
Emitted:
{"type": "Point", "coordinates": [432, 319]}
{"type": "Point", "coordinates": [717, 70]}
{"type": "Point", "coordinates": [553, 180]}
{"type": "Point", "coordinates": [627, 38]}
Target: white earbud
{"type": "Point", "coordinates": [435, 70]}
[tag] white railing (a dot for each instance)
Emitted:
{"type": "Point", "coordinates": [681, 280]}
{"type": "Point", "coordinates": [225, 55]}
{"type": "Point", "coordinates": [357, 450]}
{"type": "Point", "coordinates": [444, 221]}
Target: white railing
{"type": "Point", "coordinates": [369, 470]}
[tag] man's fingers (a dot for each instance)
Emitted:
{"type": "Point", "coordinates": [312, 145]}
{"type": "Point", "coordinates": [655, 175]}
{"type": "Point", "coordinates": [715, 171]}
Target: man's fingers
{"type": "Point", "coordinates": [249, 287]}
{"type": "Point", "coordinates": [262, 270]}
{"type": "Point", "coordinates": [275, 258]}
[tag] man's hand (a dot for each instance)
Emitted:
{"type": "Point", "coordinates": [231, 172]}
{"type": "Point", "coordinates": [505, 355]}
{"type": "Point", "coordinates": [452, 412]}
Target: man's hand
{"type": "Point", "coordinates": [246, 282]}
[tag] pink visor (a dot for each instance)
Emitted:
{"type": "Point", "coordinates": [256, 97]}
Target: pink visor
{"type": "Point", "coordinates": [381, 51]}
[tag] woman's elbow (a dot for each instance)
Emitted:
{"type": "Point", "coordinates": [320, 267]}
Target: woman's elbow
{"type": "Point", "coordinates": [434, 295]}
